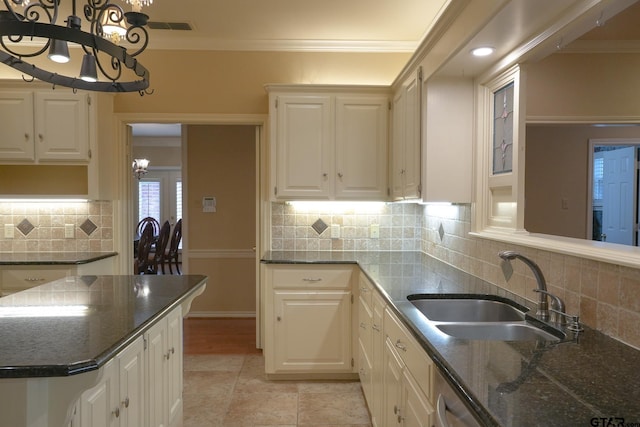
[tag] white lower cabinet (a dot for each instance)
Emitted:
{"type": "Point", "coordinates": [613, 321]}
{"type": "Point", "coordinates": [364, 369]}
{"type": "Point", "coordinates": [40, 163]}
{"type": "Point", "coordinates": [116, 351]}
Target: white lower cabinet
{"type": "Point", "coordinates": [308, 320]}
{"type": "Point", "coordinates": [371, 340]}
{"type": "Point", "coordinates": [142, 385]}
{"type": "Point", "coordinates": [118, 400]}
{"type": "Point", "coordinates": [165, 371]}
{"type": "Point", "coordinates": [395, 372]}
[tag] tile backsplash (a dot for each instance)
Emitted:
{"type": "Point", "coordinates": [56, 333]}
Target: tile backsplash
{"type": "Point", "coordinates": [606, 296]}
{"type": "Point", "coordinates": [40, 226]}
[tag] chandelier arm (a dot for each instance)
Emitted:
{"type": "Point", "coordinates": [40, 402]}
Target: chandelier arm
{"type": "Point", "coordinates": [82, 38]}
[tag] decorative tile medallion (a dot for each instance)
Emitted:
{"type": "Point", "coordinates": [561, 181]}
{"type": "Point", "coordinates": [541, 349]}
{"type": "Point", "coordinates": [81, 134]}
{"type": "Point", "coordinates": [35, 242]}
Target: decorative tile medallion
{"type": "Point", "coordinates": [441, 232]}
{"type": "Point", "coordinates": [25, 226]}
{"type": "Point", "coordinates": [319, 226]}
{"type": "Point", "coordinates": [88, 227]}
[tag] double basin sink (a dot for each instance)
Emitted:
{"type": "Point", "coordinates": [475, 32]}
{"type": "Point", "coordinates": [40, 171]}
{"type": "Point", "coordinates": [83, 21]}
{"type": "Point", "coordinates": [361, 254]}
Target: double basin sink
{"type": "Point", "coordinates": [482, 318]}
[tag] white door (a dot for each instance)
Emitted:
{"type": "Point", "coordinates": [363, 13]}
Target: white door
{"type": "Point", "coordinates": [619, 195]}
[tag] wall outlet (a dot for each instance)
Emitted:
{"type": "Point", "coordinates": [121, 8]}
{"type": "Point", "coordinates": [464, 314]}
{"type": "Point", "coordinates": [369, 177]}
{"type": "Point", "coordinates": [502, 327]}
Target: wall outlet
{"type": "Point", "coordinates": [374, 231]}
{"type": "Point", "coordinates": [335, 231]}
{"type": "Point", "coordinates": [8, 231]}
{"type": "Point", "coordinates": [69, 231]}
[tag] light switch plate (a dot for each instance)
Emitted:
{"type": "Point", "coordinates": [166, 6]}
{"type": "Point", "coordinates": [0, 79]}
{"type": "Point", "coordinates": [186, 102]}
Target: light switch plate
{"type": "Point", "coordinates": [335, 231]}
{"type": "Point", "coordinates": [69, 231]}
{"type": "Point", "coordinates": [8, 231]}
{"type": "Point", "coordinates": [374, 231]}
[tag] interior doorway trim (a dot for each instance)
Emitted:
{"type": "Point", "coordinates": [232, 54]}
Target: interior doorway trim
{"type": "Point", "coordinates": [123, 211]}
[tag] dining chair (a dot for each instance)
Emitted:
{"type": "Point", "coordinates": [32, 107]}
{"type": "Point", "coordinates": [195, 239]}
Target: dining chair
{"type": "Point", "coordinates": [172, 254]}
{"type": "Point", "coordinates": [148, 220]}
{"type": "Point", "coordinates": [156, 258]}
{"type": "Point", "coordinates": [141, 262]}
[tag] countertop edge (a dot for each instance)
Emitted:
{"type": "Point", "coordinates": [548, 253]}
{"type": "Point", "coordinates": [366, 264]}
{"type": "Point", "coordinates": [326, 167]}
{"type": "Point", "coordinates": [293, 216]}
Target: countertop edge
{"type": "Point", "coordinates": [79, 260]}
{"type": "Point", "coordinates": [82, 366]}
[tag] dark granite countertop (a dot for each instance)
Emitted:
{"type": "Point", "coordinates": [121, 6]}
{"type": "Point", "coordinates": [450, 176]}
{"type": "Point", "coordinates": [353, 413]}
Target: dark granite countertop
{"type": "Point", "coordinates": [52, 258]}
{"type": "Point", "coordinates": [505, 383]}
{"type": "Point", "coordinates": [78, 323]}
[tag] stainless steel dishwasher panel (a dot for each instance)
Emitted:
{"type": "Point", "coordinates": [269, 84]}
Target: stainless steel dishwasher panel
{"type": "Point", "coordinates": [450, 410]}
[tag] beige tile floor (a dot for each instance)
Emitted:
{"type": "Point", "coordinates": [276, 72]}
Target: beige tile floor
{"type": "Point", "coordinates": [232, 391]}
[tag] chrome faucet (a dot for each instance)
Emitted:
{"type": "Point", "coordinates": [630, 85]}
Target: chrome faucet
{"type": "Point", "coordinates": [543, 304]}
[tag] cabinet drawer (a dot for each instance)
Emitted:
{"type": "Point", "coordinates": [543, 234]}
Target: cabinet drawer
{"type": "Point", "coordinates": [16, 280]}
{"type": "Point", "coordinates": [315, 277]}
{"type": "Point", "coordinates": [365, 289]}
{"type": "Point", "coordinates": [412, 354]}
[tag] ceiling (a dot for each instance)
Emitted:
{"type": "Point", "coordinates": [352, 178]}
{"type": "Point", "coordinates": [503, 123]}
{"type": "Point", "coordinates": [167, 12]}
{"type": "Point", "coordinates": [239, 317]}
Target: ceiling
{"type": "Point", "coordinates": [353, 25]}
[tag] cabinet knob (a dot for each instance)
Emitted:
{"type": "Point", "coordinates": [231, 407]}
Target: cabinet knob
{"type": "Point", "coordinates": [40, 137]}
{"type": "Point", "coordinates": [125, 402]}
{"type": "Point", "coordinates": [340, 175]}
{"type": "Point", "coordinates": [363, 325]}
{"type": "Point", "coordinates": [116, 412]}
{"type": "Point", "coordinates": [26, 136]}
{"type": "Point", "coordinates": [324, 175]}
{"type": "Point", "coordinates": [312, 280]}
{"type": "Point", "coordinates": [278, 318]}
{"type": "Point", "coordinates": [375, 327]}
{"type": "Point", "coordinates": [395, 409]}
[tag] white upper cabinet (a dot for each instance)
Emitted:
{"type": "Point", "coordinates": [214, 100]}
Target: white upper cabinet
{"type": "Point", "coordinates": [406, 140]}
{"type": "Point", "coordinates": [16, 132]}
{"type": "Point", "coordinates": [61, 126]}
{"type": "Point", "coordinates": [447, 135]}
{"type": "Point", "coordinates": [303, 135]}
{"type": "Point", "coordinates": [329, 143]}
{"type": "Point", "coordinates": [361, 147]}
{"type": "Point", "coordinates": [44, 127]}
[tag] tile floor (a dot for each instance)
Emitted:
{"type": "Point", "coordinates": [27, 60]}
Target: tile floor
{"type": "Point", "coordinates": [230, 390]}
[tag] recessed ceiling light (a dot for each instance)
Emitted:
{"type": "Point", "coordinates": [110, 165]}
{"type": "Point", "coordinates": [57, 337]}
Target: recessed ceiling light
{"type": "Point", "coordinates": [482, 51]}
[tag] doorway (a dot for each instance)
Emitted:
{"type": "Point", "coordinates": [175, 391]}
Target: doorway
{"type": "Point", "coordinates": [614, 190]}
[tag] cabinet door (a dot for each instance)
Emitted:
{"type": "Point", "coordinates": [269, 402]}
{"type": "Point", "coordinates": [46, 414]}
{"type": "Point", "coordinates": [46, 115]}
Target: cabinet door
{"type": "Point", "coordinates": [361, 148]}
{"type": "Point", "coordinates": [377, 360]}
{"type": "Point", "coordinates": [365, 349]}
{"type": "Point", "coordinates": [99, 406]}
{"type": "Point", "coordinates": [312, 331]}
{"type": "Point", "coordinates": [412, 139]}
{"type": "Point", "coordinates": [397, 147]}
{"type": "Point", "coordinates": [157, 389]}
{"type": "Point", "coordinates": [174, 367]}
{"type": "Point", "coordinates": [304, 149]}
{"type": "Point", "coordinates": [406, 143]}
{"type": "Point", "coordinates": [132, 385]}
{"type": "Point", "coordinates": [416, 410]}
{"type": "Point", "coordinates": [392, 397]}
{"type": "Point", "coordinates": [62, 126]}
{"type": "Point", "coordinates": [16, 132]}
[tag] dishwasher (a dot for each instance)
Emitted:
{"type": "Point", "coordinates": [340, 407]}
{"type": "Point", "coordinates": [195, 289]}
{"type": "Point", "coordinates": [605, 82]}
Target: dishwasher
{"type": "Point", "coordinates": [450, 410]}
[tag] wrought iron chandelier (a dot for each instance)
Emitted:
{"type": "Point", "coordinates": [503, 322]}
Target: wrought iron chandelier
{"type": "Point", "coordinates": [26, 24]}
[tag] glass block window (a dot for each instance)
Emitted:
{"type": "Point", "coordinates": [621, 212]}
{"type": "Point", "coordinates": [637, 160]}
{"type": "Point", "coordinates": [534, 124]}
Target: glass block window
{"type": "Point", "coordinates": [503, 129]}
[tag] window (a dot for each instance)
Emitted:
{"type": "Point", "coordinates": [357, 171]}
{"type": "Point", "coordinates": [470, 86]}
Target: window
{"type": "Point", "coordinates": [160, 196]}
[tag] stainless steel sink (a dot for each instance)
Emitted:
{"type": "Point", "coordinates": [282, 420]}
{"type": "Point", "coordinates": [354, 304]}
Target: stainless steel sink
{"type": "Point", "coordinates": [467, 310]}
{"type": "Point", "coordinates": [480, 318]}
{"type": "Point", "coordinates": [503, 331]}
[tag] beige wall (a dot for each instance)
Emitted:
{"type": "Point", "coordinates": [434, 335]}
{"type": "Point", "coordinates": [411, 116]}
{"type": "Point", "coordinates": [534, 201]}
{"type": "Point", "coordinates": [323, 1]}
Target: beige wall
{"type": "Point", "coordinates": [228, 82]}
{"type": "Point", "coordinates": [557, 167]}
{"type": "Point", "coordinates": [221, 163]}
{"type": "Point", "coordinates": [585, 85]}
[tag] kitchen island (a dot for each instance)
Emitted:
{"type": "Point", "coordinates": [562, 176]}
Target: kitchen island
{"type": "Point", "coordinates": [59, 338]}
{"type": "Point", "coordinates": [585, 379]}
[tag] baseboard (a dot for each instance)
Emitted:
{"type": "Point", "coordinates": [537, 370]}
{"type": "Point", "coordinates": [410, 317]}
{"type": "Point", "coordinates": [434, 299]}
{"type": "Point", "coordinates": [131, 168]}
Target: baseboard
{"type": "Point", "coordinates": [219, 314]}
